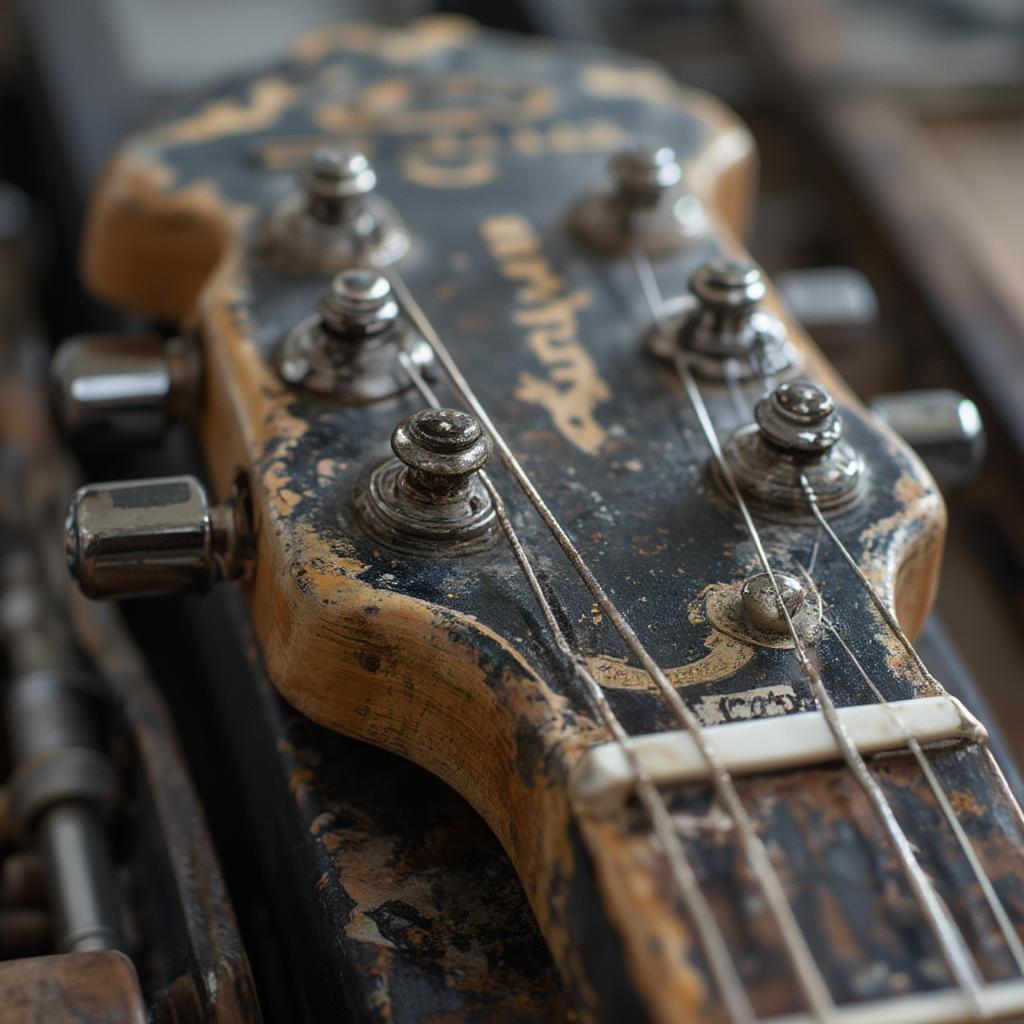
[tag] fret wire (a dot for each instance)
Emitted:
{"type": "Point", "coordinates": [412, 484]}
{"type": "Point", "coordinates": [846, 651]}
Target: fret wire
{"type": "Point", "coordinates": [995, 904]}
{"type": "Point", "coordinates": [720, 960]}
{"type": "Point", "coordinates": [805, 968]}
{"type": "Point", "coordinates": [958, 959]}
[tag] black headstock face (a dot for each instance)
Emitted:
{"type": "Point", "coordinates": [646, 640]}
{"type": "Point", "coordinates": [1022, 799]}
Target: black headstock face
{"type": "Point", "coordinates": [484, 147]}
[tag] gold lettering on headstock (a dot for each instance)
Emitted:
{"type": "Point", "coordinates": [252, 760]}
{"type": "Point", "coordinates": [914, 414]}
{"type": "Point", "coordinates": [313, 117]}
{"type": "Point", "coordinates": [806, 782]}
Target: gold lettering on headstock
{"type": "Point", "coordinates": [549, 313]}
{"type": "Point", "coordinates": [267, 100]}
{"type": "Point", "coordinates": [424, 38]}
{"type": "Point", "coordinates": [471, 161]}
{"type": "Point", "coordinates": [450, 103]}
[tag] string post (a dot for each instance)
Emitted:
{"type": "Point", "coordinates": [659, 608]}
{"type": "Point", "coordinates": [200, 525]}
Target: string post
{"type": "Point", "coordinates": [721, 327]}
{"type": "Point", "coordinates": [645, 175]}
{"type": "Point", "coordinates": [335, 218]}
{"type": "Point", "coordinates": [796, 436]}
{"type": "Point", "coordinates": [336, 179]}
{"type": "Point", "coordinates": [349, 350]}
{"type": "Point", "coordinates": [643, 207]}
{"type": "Point", "coordinates": [358, 304]}
{"type": "Point", "coordinates": [431, 498]}
{"type": "Point", "coordinates": [441, 449]}
{"type": "Point", "coordinates": [799, 416]}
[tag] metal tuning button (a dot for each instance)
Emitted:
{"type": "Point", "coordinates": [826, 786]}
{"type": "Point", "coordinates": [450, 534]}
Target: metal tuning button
{"type": "Point", "coordinates": [116, 389]}
{"type": "Point", "coordinates": [349, 350]}
{"type": "Point", "coordinates": [797, 436]}
{"type": "Point", "coordinates": [943, 427]}
{"type": "Point", "coordinates": [336, 220]}
{"type": "Point", "coordinates": [721, 328]}
{"type": "Point", "coordinates": [828, 298]}
{"type": "Point", "coordinates": [430, 500]}
{"type": "Point", "coordinates": [148, 537]}
{"type": "Point", "coordinates": [642, 209]}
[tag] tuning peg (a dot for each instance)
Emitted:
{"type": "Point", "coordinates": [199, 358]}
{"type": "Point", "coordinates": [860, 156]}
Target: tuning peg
{"type": "Point", "coordinates": [336, 219]}
{"type": "Point", "coordinates": [644, 206]}
{"type": "Point", "coordinates": [943, 427]}
{"type": "Point", "coordinates": [147, 537]}
{"type": "Point", "coordinates": [829, 298]}
{"type": "Point", "coordinates": [112, 389]}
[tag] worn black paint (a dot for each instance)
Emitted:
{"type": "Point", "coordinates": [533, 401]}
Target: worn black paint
{"type": "Point", "coordinates": [656, 536]}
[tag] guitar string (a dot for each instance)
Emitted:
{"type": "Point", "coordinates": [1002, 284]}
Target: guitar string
{"type": "Point", "coordinates": [722, 965]}
{"type": "Point", "coordinates": [967, 847]}
{"type": "Point", "coordinates": [950, 942]}
{"type": "Point", "coordinates": [996, 906]}
{"type": "Point", "coordinates": [815, 549]}
{"type": "Point", "coordinates": [805, 968]}
{"type": "Point", "coordinates": [736, 395]}
{"type": "Point", "coordinates": [958, 960]}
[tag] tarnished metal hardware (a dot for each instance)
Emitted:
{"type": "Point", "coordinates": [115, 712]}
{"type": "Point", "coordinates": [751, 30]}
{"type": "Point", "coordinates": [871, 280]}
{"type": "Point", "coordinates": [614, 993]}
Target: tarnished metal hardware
{"type": "Point", "coordinates": [797, 435]}
{"type": "Point", "coordinates": [748, 610]}
{"type": "Point", "coordinates": [113, 389]}
{"type": "Point", "coordinates": [63, 785]}
{"type": "Point", "coordinates": [349, 349]}
{"type": "Point", "coordinates": [721, 328]}
{"type": "Point", "coordinates": [761, 605]}
{"type": "Point", "coordinates": [148, 537]}
{"type": "Point", "coordinates": [643, 209]}
{"type": "Point", "coordinates": [944, 428]}
{"type": "Point", "coordinates": [430, 499]}
{"type": "Point", "coordinates": [337, 220]}
{"type": "Point", "coordinates": [828, 298]}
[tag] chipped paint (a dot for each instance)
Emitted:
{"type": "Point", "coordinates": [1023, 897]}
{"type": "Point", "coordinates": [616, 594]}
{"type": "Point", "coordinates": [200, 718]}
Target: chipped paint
{"type": "Point", "coordinates": [445, 661]}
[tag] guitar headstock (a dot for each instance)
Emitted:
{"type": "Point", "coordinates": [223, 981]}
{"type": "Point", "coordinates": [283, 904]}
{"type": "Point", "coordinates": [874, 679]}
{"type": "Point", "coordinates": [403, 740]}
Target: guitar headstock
{"type": "Point", "coordinates": [388, 221]}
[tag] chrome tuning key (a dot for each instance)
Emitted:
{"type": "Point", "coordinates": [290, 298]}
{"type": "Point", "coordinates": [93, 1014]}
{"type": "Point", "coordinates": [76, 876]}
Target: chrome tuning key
{"type": "Point", "coordinates": [796, 438]}
{"type": "Point", "coordinates": [943, 427]}
{"type": "Point", "coordinates": [144, 538]}
{"type": "Point", "coordinates": [429, 499]}
{"type": "Point", "coordinates": [642, 209]}
{"type": "Point", "coordinates": [117, 389]}
{"type": "Point", "coordinates": [349, 350]}
{"type": "Point", "coordinates": [336, 220]}
{"type": "Point", "coordinates": [721, 327]}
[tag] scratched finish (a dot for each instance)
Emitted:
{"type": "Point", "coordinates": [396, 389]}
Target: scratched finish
{"type": "Point", "coordinates": [483, 143]}
{"type": "Point", "coordinates": [407, 909]}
